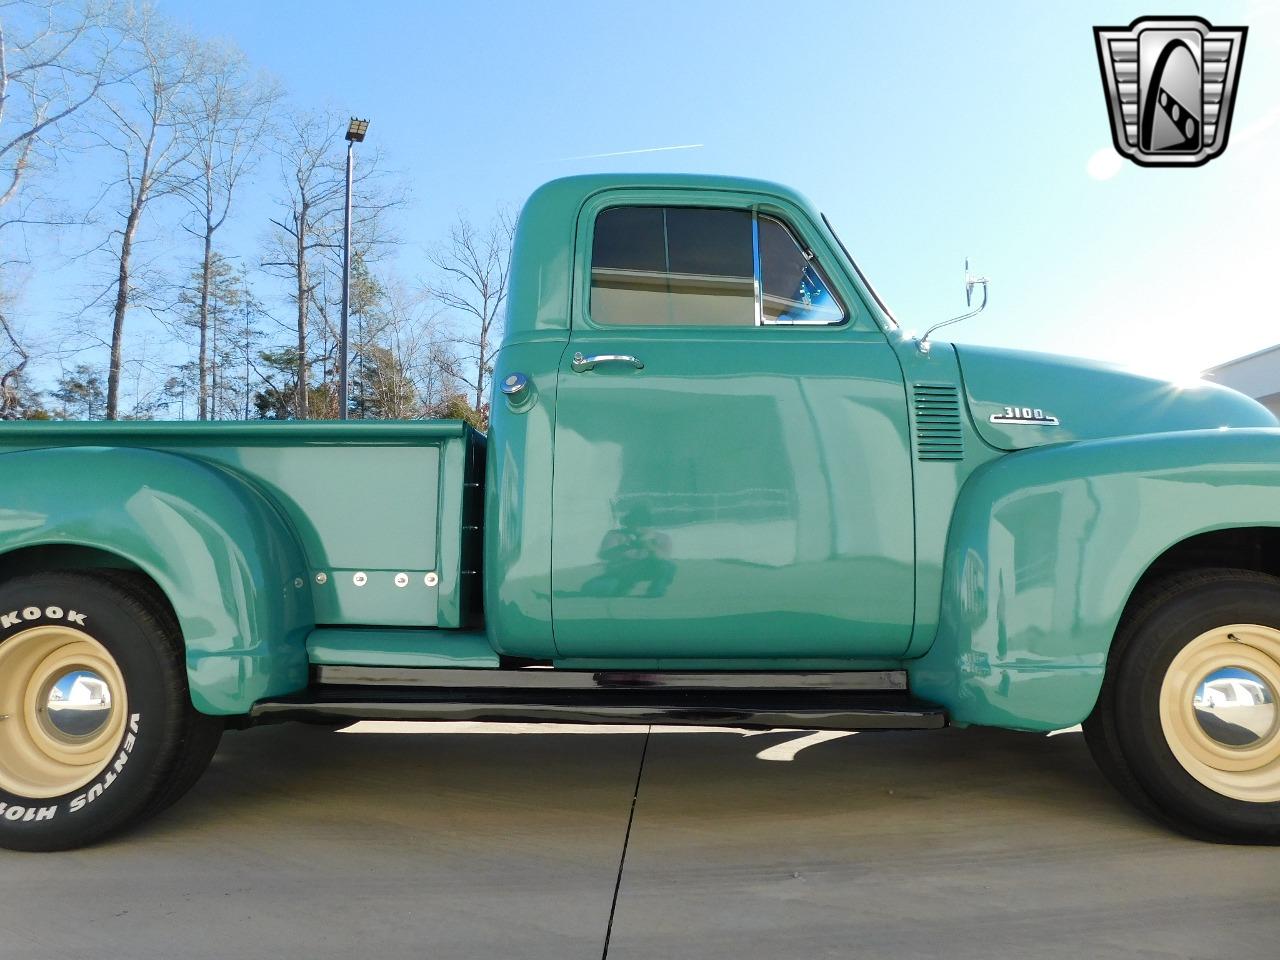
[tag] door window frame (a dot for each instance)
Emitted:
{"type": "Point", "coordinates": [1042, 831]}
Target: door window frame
{"type": "Point", "coordinates": [857, 316]}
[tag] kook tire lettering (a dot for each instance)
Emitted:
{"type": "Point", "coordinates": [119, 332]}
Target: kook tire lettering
{"type": "Point", "coordinates": [27, 614]}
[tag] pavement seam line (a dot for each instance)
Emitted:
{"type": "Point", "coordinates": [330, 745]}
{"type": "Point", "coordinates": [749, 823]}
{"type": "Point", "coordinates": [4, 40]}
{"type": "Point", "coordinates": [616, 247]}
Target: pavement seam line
{"type": "Point", "coordinates": [626, 839]}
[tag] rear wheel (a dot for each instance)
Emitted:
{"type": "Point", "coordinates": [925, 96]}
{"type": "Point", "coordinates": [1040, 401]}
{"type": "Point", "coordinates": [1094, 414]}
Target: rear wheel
{"type": "Point", "coordinates": [96, 723]}
{"type": "Point", "coordinates": [1187, 723]}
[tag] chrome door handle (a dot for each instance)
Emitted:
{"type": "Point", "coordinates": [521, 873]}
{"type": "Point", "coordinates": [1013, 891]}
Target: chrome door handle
{"type": "Point", "coordinates": [582, 364]}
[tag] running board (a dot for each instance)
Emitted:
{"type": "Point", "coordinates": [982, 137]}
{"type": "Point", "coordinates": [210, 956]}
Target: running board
{"type": "Point", "coordinates": [754, 710]}
{"type": "Point", "coordinates": [546, 678]}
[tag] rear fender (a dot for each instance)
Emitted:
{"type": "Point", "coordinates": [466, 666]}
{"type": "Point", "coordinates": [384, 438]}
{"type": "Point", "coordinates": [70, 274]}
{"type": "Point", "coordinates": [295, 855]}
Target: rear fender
{"type": "Point", "coordinates": [221, 552]}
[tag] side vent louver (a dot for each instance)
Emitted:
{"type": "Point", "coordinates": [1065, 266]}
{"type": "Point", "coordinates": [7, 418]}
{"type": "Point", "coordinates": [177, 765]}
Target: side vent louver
{"type": "Point", "coordinates": [938, 435]}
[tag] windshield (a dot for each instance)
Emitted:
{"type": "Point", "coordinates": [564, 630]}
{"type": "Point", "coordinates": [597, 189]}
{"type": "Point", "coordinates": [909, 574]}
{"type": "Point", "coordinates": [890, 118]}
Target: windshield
{"type": "Point", "coordinates": [884, 307]}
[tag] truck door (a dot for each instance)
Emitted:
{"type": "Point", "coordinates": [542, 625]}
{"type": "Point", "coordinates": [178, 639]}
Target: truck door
{"type": "Point", "coordinates": [732, 473]}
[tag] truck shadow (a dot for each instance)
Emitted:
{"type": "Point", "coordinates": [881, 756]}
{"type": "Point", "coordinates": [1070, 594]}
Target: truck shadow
{"type": "Point", "coordinates": [493, 784]}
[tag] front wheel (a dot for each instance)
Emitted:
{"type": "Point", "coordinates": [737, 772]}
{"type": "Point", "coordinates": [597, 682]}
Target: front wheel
{"type": "Point", "coordinates": [96, 723]}
{"type": "Point", "coordinates": [1187, 724]}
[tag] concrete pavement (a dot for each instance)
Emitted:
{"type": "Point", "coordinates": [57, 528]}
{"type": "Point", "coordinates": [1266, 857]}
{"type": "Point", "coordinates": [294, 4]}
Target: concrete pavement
{"type": "Point", "coordinates": [302, 842]}
{"type": "Point", "coordinates": [958, 844]}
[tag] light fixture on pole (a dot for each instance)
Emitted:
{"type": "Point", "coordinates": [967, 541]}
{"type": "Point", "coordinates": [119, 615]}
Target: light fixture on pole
{"type": "Point", "coordinates": [356, 130]}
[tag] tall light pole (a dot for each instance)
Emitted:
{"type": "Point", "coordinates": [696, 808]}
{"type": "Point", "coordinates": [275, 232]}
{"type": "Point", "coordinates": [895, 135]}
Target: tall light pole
{"type": "Point", "coordinates": [356, 130]}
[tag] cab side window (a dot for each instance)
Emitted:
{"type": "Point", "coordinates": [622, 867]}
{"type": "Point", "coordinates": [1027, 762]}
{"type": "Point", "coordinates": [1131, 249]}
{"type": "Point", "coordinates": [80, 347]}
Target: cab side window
{"type": "Point", "coordinates": [705, 267]}
{"type": "Point", "coordinates": [673, 266]}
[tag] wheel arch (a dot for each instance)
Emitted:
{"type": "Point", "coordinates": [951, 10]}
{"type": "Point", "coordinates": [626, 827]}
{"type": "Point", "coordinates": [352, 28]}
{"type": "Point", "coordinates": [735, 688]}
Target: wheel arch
{"type": "Point", "coordinates": [78, 558]}
{"type": "Point", "coordinates": [1253, 547]}
{"type": "Point", "coordinates": [44, 557]}
{"type": "Point", "coordinates": [215, 548]}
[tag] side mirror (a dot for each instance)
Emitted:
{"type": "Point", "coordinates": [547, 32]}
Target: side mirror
{"type": "Point", "coordinates": [970, 281]}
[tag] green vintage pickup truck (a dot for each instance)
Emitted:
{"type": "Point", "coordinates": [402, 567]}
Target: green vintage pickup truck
{"type": "Point", "coordinates": [721, 487]}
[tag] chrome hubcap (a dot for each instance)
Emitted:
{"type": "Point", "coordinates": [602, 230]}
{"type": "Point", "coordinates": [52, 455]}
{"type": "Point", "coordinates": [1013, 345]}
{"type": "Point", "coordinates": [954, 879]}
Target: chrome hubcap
{"type": "Point", "coordinates": [1235, 707]}
{"type": "Point", "coordinates": [77, 705]}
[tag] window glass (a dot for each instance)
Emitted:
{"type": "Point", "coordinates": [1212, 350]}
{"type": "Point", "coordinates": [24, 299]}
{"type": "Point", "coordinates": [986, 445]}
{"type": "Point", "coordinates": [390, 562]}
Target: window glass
{"type": "Point", "coordinates": [795, 291]}
{"type": "Point", "coordinates": [686, 266]}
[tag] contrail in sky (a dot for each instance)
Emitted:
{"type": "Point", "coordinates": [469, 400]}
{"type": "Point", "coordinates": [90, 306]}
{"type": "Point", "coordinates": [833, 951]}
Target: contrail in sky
{"type": "Point", "coordinates": [627, 153]}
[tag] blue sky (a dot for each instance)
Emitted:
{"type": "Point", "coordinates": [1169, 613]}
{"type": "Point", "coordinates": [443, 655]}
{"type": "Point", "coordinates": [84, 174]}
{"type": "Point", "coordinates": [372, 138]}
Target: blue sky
{"type": "Point", "coordinates": [927, 131]}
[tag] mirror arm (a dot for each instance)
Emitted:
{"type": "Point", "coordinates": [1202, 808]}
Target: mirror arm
{"type": "Point", "coordinates": [923, 342]}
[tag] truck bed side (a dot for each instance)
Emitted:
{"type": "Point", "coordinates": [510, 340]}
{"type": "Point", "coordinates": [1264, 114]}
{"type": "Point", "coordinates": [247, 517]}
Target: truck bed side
{"type": "Point", "coordinates": [380, 522]}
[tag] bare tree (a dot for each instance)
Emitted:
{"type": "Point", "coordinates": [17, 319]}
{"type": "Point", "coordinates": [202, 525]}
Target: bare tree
{"type": "Point", "coordinates": [418, 380]}
{"type": "Point", "coordinates": [54, 60]}
{"type": "Point", "coordinates": [150, 128]}
{"type": "Point", "coordinates": [232, 111]}
{"type": "Point", "coordinates": [55, 56]}
{"type": "Point", "coordinates": [471, 283]}
{"type": "Point", "coordinates": [313, 196]}
{"type": "Point", "coordinates": [305, 246]}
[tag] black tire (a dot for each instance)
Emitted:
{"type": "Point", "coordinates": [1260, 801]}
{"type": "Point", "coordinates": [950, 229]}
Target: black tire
{"type": "Point", "coordinates": [164, 743]}
{"type": "Point", "coordinates": [205, 734]}
{"type": "Point", "coordinates": [1125, 733]}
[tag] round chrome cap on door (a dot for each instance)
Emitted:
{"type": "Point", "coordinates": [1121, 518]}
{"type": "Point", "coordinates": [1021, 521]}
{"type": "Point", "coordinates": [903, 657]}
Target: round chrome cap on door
{"type": "Point", "coordinates": [1218, 711]}
{"type": "Point", "coordinates": [63, 704]}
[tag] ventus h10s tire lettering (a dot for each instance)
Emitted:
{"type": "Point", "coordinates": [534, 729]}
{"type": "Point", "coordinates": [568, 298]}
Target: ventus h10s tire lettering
{"type": "Point", "coordinates": [96, 723]}
{"type": "Point", "coordinates": [1187, 724]}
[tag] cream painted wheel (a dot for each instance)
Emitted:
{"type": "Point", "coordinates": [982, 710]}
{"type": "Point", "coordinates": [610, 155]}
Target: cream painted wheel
{"type": "Point", "coordinates": [97, 724]}
{"type": "Point", "coordinates": [64, 706]}
{"type": "Point", "coordinates": [1218, 711]}
{"type": "Point", "coordinates": [1186, 722]}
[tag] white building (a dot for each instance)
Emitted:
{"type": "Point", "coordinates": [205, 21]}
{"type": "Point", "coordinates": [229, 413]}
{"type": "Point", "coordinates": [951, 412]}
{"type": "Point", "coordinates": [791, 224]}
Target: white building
{"type": "Point", "coordinates": [1257, 375]}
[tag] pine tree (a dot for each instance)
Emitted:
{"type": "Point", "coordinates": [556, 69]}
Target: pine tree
{"type": "Point", "coordinates": [82, 394]}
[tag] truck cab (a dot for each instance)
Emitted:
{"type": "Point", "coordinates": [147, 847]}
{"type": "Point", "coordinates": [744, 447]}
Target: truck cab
{"type": "Point", "coordinates": [728, 432]}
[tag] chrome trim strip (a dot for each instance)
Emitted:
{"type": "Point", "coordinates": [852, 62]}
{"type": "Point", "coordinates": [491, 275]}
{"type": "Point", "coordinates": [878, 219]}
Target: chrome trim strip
{"type": "Point", "coordinates": [755, 260]}
{"type": "Point", "coordinates": [862, 277]}
{"type": "Point", "coordinates": [545, 678]}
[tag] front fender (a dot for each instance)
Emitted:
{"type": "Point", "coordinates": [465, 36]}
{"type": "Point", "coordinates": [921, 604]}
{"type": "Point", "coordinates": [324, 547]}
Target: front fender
{"type": "Point", "coordinates": [222, 553]}
{"type": "Point", "coordinates": [1047, 545]}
